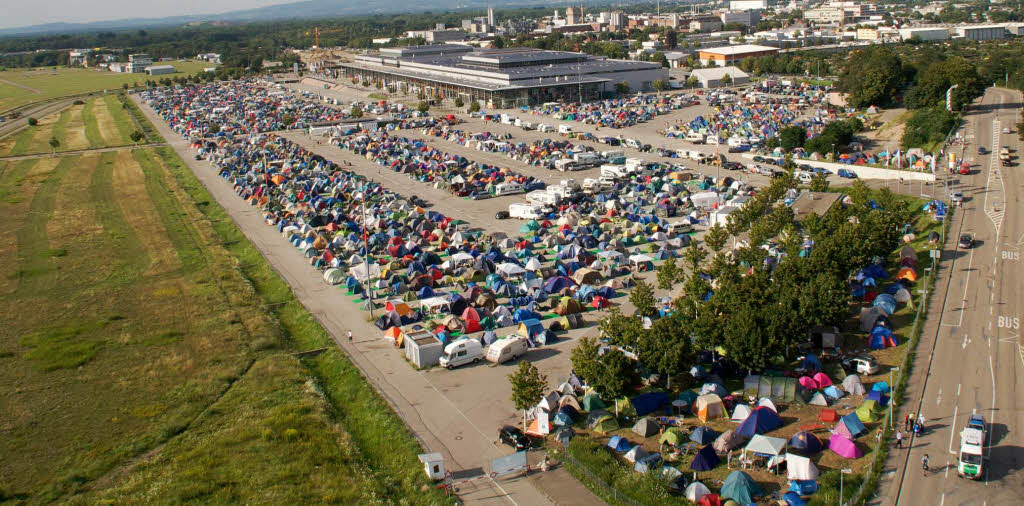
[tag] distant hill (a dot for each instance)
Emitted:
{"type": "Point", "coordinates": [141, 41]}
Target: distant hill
{"type": "Point", "coordinates": [295, 10]}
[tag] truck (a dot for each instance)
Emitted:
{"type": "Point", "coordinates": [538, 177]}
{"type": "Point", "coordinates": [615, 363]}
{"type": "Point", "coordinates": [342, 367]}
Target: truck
{"type": "Point", "coordinates": [525, 211]}
{"type": "Point", "coordinates": [972, 447]}
{"type": "Point", "coordinates": [465, 351]}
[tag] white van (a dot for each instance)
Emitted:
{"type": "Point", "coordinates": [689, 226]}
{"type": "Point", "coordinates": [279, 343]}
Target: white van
{"type": "Point", "coordinates": [525, 211]}
{"type": "Point", "coordinates": [526, 125]}
{"type": "Point", "coordinates": [465, 351]}
{"type": "Point", "coordinates": [507, 119]}
{"type": "Point", "coordinates": [633, 143]}
{"type": "Point", "coordinates": [695, 137]}
{"type": "Point", "coordinates": [735, 142]}
{"type": "Point", "coordinates": [564, 129]}
{"type": "Point", "coordinates": [613, 171]}
{"type": "Point", "coordinates": [679, 227]}
{"type": "Point", "coordinates": [804, 177]}
{"type": "Point", "coordinates": [508, 189]}
{"type": "Point", "coordinates": [506, 349]}
{"type": "Point", "coordinates": [543, 198]}
{"type": "Point", "coordinates": [544, 128]}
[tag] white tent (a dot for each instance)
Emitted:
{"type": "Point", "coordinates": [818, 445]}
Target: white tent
{"type": "Point", "coordinates": [801, 467]}
{"type": "Point", "coordinates": [550, 401]}
{"type": "Point", "coordinates": [435, 303]}
{"type": "Point", "coordinates": [639, 258]}
{"type": "Point", "coordinates": [696, 490]}
{"type": "Point", "coordinates": [636, 453]}
{"type": "Point", "coordinates": [853, 385]}
{"type": "Point", "coordinates": [510, 269]}
{"type": "Point", "coordinates": [461, 257]}
{"type": "Point", "coordinates": [764, 401]}
{"type": "Point", "coordinates": [334, 276]}
{"type": "Point", "coordinates": [566, 389]}
{"type": "Point", "coordinates": [533, 264]}
{"type": "Point", "coordinates": [361, 273]}
{"type": "Point", "coordinates": [740, 413]}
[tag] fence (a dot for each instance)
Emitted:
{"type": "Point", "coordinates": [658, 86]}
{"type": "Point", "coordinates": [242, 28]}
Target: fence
{"type": "Point", "coordinates": [608, 492]}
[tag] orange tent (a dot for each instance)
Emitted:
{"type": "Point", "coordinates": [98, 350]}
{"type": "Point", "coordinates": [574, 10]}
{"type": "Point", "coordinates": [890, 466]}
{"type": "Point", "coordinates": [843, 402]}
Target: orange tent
{"type": "Point", "coordinates": [709, 407]}
{"type": "Point", "coordinates": [539, 427]}
{"type": "Point", "coordinates": [828, 415]}
{"type": "Point", "coordinates": [907, 273]}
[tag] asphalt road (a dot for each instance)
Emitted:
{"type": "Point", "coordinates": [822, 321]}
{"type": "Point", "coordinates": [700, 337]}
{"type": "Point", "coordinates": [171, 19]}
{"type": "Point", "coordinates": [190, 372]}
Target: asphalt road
{"type": "Point", "coordinates": [12, 126]}
{"type": "Point", "coordinates": [970, 358]}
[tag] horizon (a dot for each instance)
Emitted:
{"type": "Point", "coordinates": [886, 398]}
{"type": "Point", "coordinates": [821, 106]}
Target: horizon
{"type": "Point", "coordinates": [73, 12]}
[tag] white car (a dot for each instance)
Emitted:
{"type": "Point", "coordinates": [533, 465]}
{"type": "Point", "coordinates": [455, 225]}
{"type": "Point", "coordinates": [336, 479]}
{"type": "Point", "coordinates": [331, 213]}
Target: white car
{"type": "Point", "coordinates": [861, 364]}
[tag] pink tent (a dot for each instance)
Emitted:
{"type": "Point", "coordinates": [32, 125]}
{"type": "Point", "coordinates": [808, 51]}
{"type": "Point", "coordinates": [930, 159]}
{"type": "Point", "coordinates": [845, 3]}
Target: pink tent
{"type": "Point", "coordinates": [842, 430]}
{"type": "Point", "coordinates": [471, 314]}
{"type": "Point", "coordinates": [822, 380]}
{"type": "Point", "coordinates": [808, 383]}
{"type": "Point", "coordinates": [844, 447]}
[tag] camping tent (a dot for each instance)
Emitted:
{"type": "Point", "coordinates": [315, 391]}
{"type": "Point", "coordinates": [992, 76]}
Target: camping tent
{"type": "Point", "coordinates": [592, 402]}
{"type": "Point", "coordinates": [709, 407]}
{"type": "Point", "coordinates": [853, 385]}
{"type": "Point", "coordinates": [646, 427]}
{"type": "Point", "coordinates": [550, 401]}
{"type": "Point", "coordinates": [844, 447]}
{"type": "Point", "coordinates": [878, 398]}
{"type": "Point", "coordinates": [705, 460]}
{"type": "Point", "coordinates": [868, 411]}
{"type": "Point", "coordinates": [565, 416]}
{"type": "Point", "coordinates": [793, 499]}
{"type": "Point", "coordinates": [648, 463]}
{"type": "Point", "coordinates": [727, 441]}
{"type": "Point", "coordinates": [711, 500]}
{"type": "Point", "coordinates": [818, 399]}
{"type": "Point", "coordinates": [805, 442]}
{"type": "Point", "coordinates": [673, 436]}
{"type": "Point", "coordinates": [740, 487]}
{"type": "Point", "coordinates": [619, 444]}
{"type": "Point", "coordinates": [881, 338]}
{"type": "Point", "coordinates": [605, 424]}
{"type": "Point", "coordinates": [696, 490]}
{"type": "Point", "coordinates": [801, 467]}
{"type": "Point", "coordinates": [766, 402]}
{"type": "Point", "coordinates": [636, 453]}
{"type": "Point", "coordinates": [822, 380]}
{"type": "Point", "coordinates": [740, 413]}
{"type": "Point", "coordinates": [649, 402]}
{"type": "Point", "coordinates": [850, 426]}
{"type": "Point", "coordinates": [761, 420]}
{"type": "Point", "coordinates": [703, 435]}
{"type": "Point", "coordinates": [828, 416]}
{"type": "Point", "coordinates": [765, 445]}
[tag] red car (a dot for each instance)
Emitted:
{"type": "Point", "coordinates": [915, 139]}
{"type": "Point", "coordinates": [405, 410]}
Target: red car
{"type": "Point", "coordinates": [965, 169]}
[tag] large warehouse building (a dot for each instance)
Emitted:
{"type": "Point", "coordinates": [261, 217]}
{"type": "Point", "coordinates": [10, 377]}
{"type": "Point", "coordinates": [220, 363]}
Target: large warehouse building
{"type": "Point", "coordinates": [504, 78]}
{"type": "Point", "coordinates": [731, 55]}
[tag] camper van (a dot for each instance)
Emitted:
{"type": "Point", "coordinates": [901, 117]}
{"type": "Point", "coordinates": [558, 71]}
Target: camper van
{"type": "Point", "coordinates": [587, 159]}
{"type": "Point", "coordinates": [564, 129]}
{"type": "Point", "coordinates": [566, 164]}
{"type": "Point", "coordinates": [614, 171]}
{"type": "Point", "coordinates": [543, 198]}
{"type": "Point", "coordinates": [633, 143]}
{"type": "Point", "coordinates": [804, 177]}
{"type": "Point", "coordinates": [679, 227]}
{"type": "Point", "coordinates": [507, 188]}
{"type": "Point", "coordinates": [544, 128]}
{"type": "Point", "coordinates": [507, 119]}
{"type": "Point", "coordinates": [972, 446]}
{"type": "Point", "coordinates": [695, 137]}
{"type": "Point", "coordinates": [506, 349]}
{"type": "Point", "coordinates": [465, 351]}
{"type": "Point", "coordinates": [526, 125]}
{"type": "Point", "coordinates": [525, 211]}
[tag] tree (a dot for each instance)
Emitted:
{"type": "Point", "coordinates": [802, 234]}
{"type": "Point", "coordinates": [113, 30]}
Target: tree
{"type": "Point", "coordinates": [213, 128]}
{"type": "Point", "coordinates": [585, 359]}
{"type": "Point", "coordinates": [287, 120]}
{"type": "Point", "coordinates": [666, 348]}
{"type": "Point", "coordinates": [871, 76]}
{"type": "Point", "coordinates": [54, 143]}
{"type": "Point", "coordinates": [819, 183]}
{"type": "Point", "coordinates": [659, 85]}
{"type": "Point", "coordinates": [356, 112]}
{"type": "Point", "coordinates": [622, 88]}
{"type": "Point", "coordinates": [423, 106]}
{"type": "Point", "coordinates": [528, 387]}
{"type": "Point", "coordinates": [474, 106]}
{"type": "Point", "coordinates": [927, 126]}
{"type": "Point", "coordinates": [694, 255]}
{"type": "Point", "coordinates": [671, 39]}
{"type": "Point", "coordinates": [716, 236]}
{"type": "Point", "coordinates": [667, 274]}
{"type": "Point", "coordinates": [726, 80]}
{"type": "Point", "coordinates": [792, 137]}
{"type": "Point", "coordinates": [642, 298]}
{"type": "Point", "coordinates": [617, 375]}
{"type": "Point", "coordinates": [620, 329]}
{"type": "Point", "coordinates": [32, 121]}
{"type": "Point", "coordinates": [692, 81]}
{"type": "Point", "coordinates": [136, 136]}
{"type": "Point", "coordinates": [458, 102]}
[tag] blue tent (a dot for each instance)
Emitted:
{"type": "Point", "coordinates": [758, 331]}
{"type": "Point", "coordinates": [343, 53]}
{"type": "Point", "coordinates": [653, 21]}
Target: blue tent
{"type": "Point", "coordinates": [565, 416]}
{"type": "Point", "coordinates": [803, 487]}
{"type": "Point", "coordinates": [762, 419]}
{"type": "Point", "coordinates": [607, 292]}
{"type": "Point", "coordinates": [705, 460]}
{"type": "Point", "coordinates": [649, 403]}
{"type": "Point", "coordinates": [853, 424]}
{"type": "Point", "coordinates": [793, 499]}
{"type": "Point", "coordinates": [881, 337]}
{"type": "Point", "coordinates": [880, 398]}
{"type": "Point", "coordinates": [886, 302]}
{"type": "Point", "coordinates": [833, 392]}
{"type": "Point", "coordinates": [881, 386]}
{"type": "Point", "coordinates": [805, 442]}
{"type": "Point", "coordinates": [533, 327]}
{"type": "Point", "coordinates": [619, 444]}
{"type": "Point", "coordinates": [524, 314]}
{"type": "Point", "coordinates": [811, 362]}
{"type": "Point", "coordinates": [557, 283]}
{"type": "Point", "coordinates": [703, 435]}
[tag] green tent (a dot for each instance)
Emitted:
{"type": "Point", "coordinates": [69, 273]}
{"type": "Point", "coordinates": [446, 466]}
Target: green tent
{"type": "Point", "coordinates": [740, 487]}
{"type": "Point", "coordinates": [592, 402]}
{"type": "Point", "coordinates": [673, 436]}
{"type": "Point", "coordinates": [606, 424]}
{"type": "Point", "coordinates": [624, 407]}
{"type": "Point", "coordinates": [869, 412]}
{"type": "Point", "coordinates": [488, 323]}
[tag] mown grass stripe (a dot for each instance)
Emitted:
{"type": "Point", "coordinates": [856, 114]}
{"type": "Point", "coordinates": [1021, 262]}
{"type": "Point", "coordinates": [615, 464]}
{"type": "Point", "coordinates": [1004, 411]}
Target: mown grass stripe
{"type": "Point", "coordinates": [92, 128]}
{"type": "Point", "coordinates": [168, 207]}
{"type": "Point", "coordinates": [23, 141]}
{"type": "Point", "coordinates": [12, 178]}
{"type": "Point", "coordinates": [121, 118]}
{"type": "Point", "coordinates": [60, 129]}
{"type": "Point", "coordinates": [132, 255]}
{"type": "Point", "coordinates": [38, 270]}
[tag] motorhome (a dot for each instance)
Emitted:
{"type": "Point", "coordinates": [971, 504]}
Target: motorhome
{"type": "Point", "coordinates": [465, 351]}
{"type": "Point", "coordinates": [506, 349]}
{"type": "Point", "coordinates": [525, 211]}
{"type": "Point", "coordinates": [544, 128]}
{"type": "Point", "coordinates": [566, 164]}
{"type": "Point", "coordinates": [587, 158]}
{"type": "Point", "coordinates": [613, 171]}
{"type": "Point", "coordinates": [564, 129]}
{"type": "Point", "coordinates": [695, 137]}
{"type": "Point", "coordinates": [507, 119]}
{"type": "Point", "coordinates": [612, 155]}
{"type": "Point", "coordinates": [508, 188]}
{"type": "Point", "coordinates": [543, 197]}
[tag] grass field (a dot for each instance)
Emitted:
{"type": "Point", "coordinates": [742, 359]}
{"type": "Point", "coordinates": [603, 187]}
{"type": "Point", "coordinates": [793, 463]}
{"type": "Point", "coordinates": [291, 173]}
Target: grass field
{"type": "Point", "coordinates": [99, 122]}
{"type": "Point", "coordinates": [141, 361]}
{"type": "Point", "coordinates": [21, 86]}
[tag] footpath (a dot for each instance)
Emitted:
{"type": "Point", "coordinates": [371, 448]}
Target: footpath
{"type": "Point", "coordinates": [428, 411]}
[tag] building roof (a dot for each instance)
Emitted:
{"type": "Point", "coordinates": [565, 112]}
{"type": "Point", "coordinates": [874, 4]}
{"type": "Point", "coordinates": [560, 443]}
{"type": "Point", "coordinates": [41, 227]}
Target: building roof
{"type": "Point", "coordinates": [160, 67]}
{"type": "Point", "coordinates": [809, 203]}
{"type": "Point", "coordinates": [740, 49]}
{"type": "Point", "coordinates": [717, 73]}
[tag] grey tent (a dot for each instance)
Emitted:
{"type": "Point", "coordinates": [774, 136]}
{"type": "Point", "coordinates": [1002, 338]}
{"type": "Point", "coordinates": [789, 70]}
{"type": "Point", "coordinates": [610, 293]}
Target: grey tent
{"type": "Point", "coordinates": [868, 316]}
{"type": "Point", "coordinates": [818, 399]}
{"type": "Point", "coordinates": [646, 427]}
{"type": "Point", "coordinates": [853, 385]}
{"type": "Point", "coordinates": [727, 441]}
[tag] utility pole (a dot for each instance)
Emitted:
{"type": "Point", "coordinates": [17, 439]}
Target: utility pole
{"type": "Point", "coordinates": [366, 254]}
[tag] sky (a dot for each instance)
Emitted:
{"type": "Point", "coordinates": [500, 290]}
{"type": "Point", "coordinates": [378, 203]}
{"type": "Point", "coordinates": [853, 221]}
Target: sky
{"type": "Point", "coordinates": [26, 13]}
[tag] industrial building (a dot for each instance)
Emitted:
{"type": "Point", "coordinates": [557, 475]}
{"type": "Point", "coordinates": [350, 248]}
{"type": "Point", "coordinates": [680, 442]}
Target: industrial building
{"type": "Point", "coordinates": [159, 70]}
{"type": "Point", "coordinates": [729, 55]}
{"type": "Point", "coordinates": [137, 63]}
{"type": "Point", "coordinates": [712, 78]}
{"type": "Point", "coordinates": [503, 78]}
{"type": "Point", "coordinates": [925, 34]}
{"type": "Point", "coordinates": [745, 18]}
{"type": "Point", "coordinates": [982, 32]}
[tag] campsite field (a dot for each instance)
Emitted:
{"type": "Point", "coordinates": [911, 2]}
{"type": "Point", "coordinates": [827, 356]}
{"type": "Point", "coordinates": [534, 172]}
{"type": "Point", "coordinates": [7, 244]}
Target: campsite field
{"type": "Point", "coordinates": [141, 363]}
{"type": "Point", "coordinates": [97, 123]}
{"type": "Point", "coordinates": [22, 86]}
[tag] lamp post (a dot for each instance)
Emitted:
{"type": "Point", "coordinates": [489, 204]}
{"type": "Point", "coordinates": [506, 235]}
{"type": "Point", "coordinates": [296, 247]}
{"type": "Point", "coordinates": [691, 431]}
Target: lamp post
{"type": "Point", "coordinates": [841, 473]}
{"type": "Point", "coordinates": [892, 395]}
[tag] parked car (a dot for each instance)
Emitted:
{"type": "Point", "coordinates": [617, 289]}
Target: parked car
{"type": "Point", "coordinates": [966, 241]}
{"type": "Point", "coordinates": [981, 150]}
{"type": "Point", "coordinates": [501, 215]}
{"type": "Point", "coordinates": [848, 174]}
{"type": "Point", "coordinates": [821, 170]}
{"type": "Point", "coordinates": [861, 364]}
{"type": "Point", "coordinates": [958, 197]}
{"type": "Point", "coordinates": [515, 438]}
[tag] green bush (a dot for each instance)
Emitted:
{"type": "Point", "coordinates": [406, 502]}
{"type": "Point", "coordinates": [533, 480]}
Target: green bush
{"type": "Point", "coordinates": [927, 126]}
{"type": "Point", "coordinates": [591, 459]}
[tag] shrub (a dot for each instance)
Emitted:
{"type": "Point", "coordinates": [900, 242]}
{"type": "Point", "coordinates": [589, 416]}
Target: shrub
{"type": "Point", "coordinates": [32, 122]}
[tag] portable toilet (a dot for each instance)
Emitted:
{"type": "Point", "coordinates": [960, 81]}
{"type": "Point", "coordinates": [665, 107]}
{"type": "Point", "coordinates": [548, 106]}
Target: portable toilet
{"type": "Point", "coordinates": [433, 464]}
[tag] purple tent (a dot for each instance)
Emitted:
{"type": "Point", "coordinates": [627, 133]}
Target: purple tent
{"type": "Point", "coordinates": [844, 447]}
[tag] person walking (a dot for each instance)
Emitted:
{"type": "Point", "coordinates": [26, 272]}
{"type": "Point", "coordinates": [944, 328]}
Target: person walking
{"type": "Point", "coordinates": [910, 420]}
{"type": "Point", "coordinates": [350, 335]}
{"type": "Point", "coordinates": [899, 438]}
{"type": "Point", "coordinates": [924, 465]}
{"type": "Point", "coordinates": [920, 419]}
{"type": "Point", "coordinates": [906, 421]}
{"type": "Point", "coordinates": [878, 435]}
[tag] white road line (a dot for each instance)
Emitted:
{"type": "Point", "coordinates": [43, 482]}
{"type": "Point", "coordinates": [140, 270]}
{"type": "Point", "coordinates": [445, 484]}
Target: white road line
{"type": "Point", "coordinates": [958, 389]}
{"type": "Point", "coordinates": [938, 398]}
{"type": "Point", "coordinates": [946, 474]}
{"type": "Point", "coordinates": [943, 499]}
{"type": "Point", "coordinates": [952, 427]}
{"type": "Point", "coordinates": [967, 283]}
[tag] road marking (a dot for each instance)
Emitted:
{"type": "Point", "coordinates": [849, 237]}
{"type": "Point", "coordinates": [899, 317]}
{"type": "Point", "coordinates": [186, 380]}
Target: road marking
{"type": "Point", "coordinates": [938, 398]}
{"type": "Point", "coordinates": [952, 429]}
{"type": "Point", "coordinates": [958, 389]}
{"type": "Point", "coordinates": [967, 283]}
{"type": "Point", "coordinates": [943, 499]}
{"type": "Point", "coordinates": [946, 474]}
{"type": "Point", "coordinates": [964, 345]}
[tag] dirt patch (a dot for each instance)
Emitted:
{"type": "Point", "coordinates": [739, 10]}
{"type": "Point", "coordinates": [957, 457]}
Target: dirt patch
{"type": "Point", "coordinates": [142, 216]}
{"type": "Point", "coordinates": [74, 131]}
{"type": "Point", "coordinates": [105, 121]}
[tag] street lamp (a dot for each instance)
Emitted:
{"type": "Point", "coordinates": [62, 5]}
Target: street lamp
{"type": "Point", "coordinates": [841, 473]}
{"type": "Point", "coordinates": [892, 394]}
